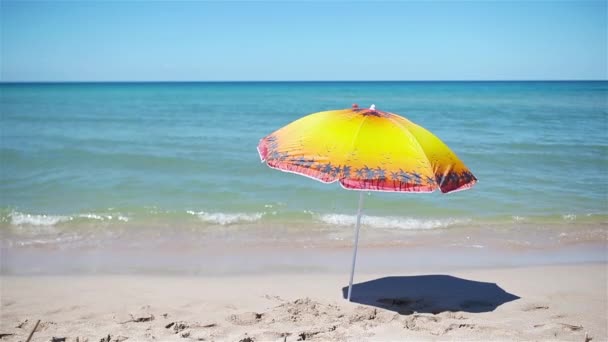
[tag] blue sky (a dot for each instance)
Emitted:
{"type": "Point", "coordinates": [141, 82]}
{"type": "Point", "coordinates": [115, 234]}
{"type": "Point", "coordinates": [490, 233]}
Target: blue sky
{"type": "Point", "coordinates": [207, 41]}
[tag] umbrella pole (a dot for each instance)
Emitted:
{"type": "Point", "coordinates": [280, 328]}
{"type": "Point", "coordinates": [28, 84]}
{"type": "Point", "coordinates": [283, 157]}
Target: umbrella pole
{"type": "Point", "coordinates": [352, 269]}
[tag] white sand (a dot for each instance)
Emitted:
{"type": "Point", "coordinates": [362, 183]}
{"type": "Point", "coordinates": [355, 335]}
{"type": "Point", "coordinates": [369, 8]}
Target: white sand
{"type": "Point", "coordinates": [555, 303]}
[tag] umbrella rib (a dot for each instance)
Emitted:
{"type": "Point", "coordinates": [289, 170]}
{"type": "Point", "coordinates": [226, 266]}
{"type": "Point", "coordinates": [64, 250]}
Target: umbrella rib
{"type": "Point", "coordinates": [352, 143]}
{"type": "Point", "coordinates": [430, 166]}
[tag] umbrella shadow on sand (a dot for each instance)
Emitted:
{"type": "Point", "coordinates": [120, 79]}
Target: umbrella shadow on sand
{"type": "Point", "coordinates": [429, 294]}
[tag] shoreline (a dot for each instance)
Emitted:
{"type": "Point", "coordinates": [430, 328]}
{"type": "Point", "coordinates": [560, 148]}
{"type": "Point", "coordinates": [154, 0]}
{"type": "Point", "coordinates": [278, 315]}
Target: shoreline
{"type": "Point", "coordinates": [556, 302]}
{"type": "Point", "coordinates": [231, 258]}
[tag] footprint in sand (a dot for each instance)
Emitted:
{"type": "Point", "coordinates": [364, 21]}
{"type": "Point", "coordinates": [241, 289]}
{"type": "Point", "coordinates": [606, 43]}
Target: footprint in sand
{"type": "Point", "coordinates": [421, 322]}
{"type": "Point", "coordinates": [571, 327]}
{"type": "Point", "coordinates": [452, 315]}
{"type": "Point", "coordinates": [458, 326]}
{"type": "Point", "coordinates": [138, 319]}
{"type": "Point", "coordinates": [535, 307]}
{"type": "Point", "coordinates": [370, 317]}
{"type": "Point", "coordinates": [559, 329]}
{"type": "Point", "coordinates": [305, 310]}
{"type": "Point", "coordinates": [247, 318]}
{"type": "Point", "coordinates": [439, 324]}
{"type": "Point", "coordinates": [274, 298]}
{"type": "Point", "coordinates": [45, 325]}
{"type": "Point", "coordinates": [362, 313]}
{"type": "Point", "coordinates": [323, 334]}
{"type": "Point", "coordinates": [115, 339]}
{"type": "Point", "coordinates": [273, 336]}
{"type": "Point", "coordinates": [177, 326]}
{"type": "Point", "coordinates": [22, 324]}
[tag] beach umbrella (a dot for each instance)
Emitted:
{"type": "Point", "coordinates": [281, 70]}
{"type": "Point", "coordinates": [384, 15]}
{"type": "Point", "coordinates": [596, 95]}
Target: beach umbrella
{"type": "Point", "coordinates": [366, 150]}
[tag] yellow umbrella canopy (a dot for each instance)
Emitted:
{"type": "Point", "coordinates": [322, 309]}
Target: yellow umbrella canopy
{"type": "Point", "coordinates": [366, 149]}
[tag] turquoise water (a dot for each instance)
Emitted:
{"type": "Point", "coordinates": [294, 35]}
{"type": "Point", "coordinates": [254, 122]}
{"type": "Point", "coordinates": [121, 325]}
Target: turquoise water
{"type": "Point", "coordinates": [131, 155]}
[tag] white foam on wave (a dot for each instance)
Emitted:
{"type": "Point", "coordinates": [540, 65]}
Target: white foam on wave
{"type": "Point", "coordinates": [104, 217]}
{"type": "Point", "coordinates": [226, 218]}
{"type": "Point", "coordinates": [43, 220]}
{"type": "Point", "coordinates": [21, 219]}
{"type": "Point", "coordinates": [389, 222]}
{"type": "Point", "coordinates": [92, 217]}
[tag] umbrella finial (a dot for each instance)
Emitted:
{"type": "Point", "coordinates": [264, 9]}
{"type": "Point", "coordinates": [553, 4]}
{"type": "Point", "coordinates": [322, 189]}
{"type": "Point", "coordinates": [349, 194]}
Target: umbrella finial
{"type": "Point", "coordinates": [372, 107]}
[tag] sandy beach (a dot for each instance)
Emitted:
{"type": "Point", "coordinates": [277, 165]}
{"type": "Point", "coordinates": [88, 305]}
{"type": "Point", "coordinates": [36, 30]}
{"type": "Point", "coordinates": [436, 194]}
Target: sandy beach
{"type": "Point", "coordinates": [541, 303]}
{"type": "Point", "coordinates": [219, 170]}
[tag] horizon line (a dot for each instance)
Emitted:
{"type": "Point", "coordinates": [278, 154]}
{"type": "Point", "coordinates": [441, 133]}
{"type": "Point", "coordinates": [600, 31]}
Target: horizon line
{"type": "Point", "coordinates": [299, 81]}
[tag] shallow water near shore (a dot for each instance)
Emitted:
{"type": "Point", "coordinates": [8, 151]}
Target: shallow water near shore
{"type": "Point", "coordinates": [294, 248]}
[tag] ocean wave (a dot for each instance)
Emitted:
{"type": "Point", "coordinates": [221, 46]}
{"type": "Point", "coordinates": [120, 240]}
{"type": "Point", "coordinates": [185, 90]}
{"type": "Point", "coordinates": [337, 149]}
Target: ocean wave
{"type": "Point", "coordinates": [22, 219]}
{"type": "Point", "coordinates": [559, 218]}
{"type": "Point", "coordinates": [389, 222]}
{"type": "Point", "coordinates": [43, 220]}
{"type": "Point", "coordinates": [104, 217]}
{"type": "Point", "coordinates": [272, 216]}
{"type": "Point", "coordinates": [226, 218]}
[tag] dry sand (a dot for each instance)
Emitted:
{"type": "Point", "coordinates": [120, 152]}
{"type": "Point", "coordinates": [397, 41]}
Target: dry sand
{"type": "Point", "coordinates": [535, 303]}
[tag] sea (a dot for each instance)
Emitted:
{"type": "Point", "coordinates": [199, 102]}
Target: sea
{"type": "Point", "coordinates": [107, 169]}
